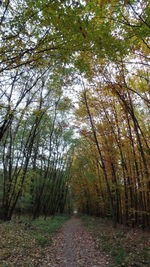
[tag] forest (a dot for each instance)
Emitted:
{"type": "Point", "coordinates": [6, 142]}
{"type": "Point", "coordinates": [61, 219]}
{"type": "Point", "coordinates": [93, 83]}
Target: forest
{"type": "Point", "coordinates": [74, 109]}
{"type": "Point", "coordinates": [74, 133]}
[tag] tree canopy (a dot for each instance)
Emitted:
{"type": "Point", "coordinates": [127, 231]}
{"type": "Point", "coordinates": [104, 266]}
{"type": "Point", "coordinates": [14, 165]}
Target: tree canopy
{"type": "Point", "coordinates": [74, 106]}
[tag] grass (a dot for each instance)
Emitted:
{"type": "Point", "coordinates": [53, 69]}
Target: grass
{"type": "Point", "coordinates": [24, 242]}
{"type": "Point", "coordinates": [122, 246]}
{"type": "Point", "coordinates": [43, 229]}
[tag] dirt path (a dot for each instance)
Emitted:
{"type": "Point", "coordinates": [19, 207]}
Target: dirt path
{"type": "Point", "coordinates": [73, 246]}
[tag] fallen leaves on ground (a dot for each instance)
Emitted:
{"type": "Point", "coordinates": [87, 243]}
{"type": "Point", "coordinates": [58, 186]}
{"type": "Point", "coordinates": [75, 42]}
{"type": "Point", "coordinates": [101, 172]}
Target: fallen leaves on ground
{"type": "Point", "coordinates": [26, 244]}
{"type": "Point", "coordinates": [74, 246]}
{"type": "Point", "coordinates": [125, 246]}
{"type": "Point", "coordinates": [71, 246]}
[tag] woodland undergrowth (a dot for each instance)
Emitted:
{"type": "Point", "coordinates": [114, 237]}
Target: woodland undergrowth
{"type": "Point", "coordinates": [25, 242]}
{"type": "Point", "coordinates": [123, 246]}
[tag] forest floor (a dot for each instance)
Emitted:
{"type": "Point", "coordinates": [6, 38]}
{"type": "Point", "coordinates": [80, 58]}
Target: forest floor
{"type": "Point", "coordinates": [74, 246]}
{"type": "Point", "coordinates": [124, 246]}
{"type": "Point", "coordinates": [88, 243]}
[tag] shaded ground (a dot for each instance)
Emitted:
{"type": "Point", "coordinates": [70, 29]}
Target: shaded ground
{"type": "Point", "coordinates": [48, 243]}
{"type": "Point", "coordinates": [26, 243]}
{"type": "Point", "coordinates": [125, 246]}
{"type": "Point", "coordinates": [73, 246]}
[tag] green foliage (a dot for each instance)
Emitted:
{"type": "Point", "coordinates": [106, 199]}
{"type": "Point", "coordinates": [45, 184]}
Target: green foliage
{"type": "Point", "coordinates": [24, 241]}
{"type": "Point", "coordinates": [123, 246]}
{"type": "Point", "coordinates": [119, 255]}
{"type": "Point", "coordinates": [43, 229]}
{"type": "Point", "coordinates": [46, 33]}
{"type": "Point", "coordinates": [51, 224]}
{"type": "Point", "coordinates": [47, 47]}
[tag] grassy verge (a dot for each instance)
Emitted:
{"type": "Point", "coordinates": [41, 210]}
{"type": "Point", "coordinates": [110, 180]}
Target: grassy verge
{"type": "Point", "coordinates": [24, 242]}
{"type": "Point", "coordinates": [123, 246]}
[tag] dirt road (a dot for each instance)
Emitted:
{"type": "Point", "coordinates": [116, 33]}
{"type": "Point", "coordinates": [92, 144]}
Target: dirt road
{"type": "Point", "coordinates": [73, 246]}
